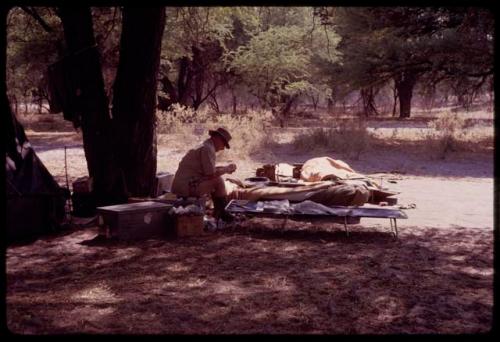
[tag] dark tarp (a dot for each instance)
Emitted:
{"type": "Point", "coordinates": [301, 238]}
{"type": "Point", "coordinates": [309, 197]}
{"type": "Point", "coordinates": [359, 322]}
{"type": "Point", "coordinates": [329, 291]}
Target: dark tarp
{"type": "Point", "coordinates": [35, 202]}
{"type": "Point", "coordinates": [345, 194]}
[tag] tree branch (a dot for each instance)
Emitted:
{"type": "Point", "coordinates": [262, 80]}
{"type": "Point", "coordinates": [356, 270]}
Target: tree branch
{"type": "Point", "coordinates": [211, 91]}
{"type": "Point", "coordinates": [113, 22]}
{"type": "Point", "coordinates": [38, 18]}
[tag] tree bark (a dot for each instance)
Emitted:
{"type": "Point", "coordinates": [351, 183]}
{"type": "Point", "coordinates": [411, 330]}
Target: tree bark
{"type": "Point", "coordinates": [368, 96]}
{"type": "Point", "coordinates": [285, 110]}
{"type": "Point", "coordinates": [315, 101]}
{"type": "Point", "coordinates": [7, 112]}
{"type": "Point", "coordinates": [330, 105]}
{"type": "Point", "coordinates": [95, 119]}
{"type": "Point", "coordinates": [395, 100]}
{"type": "Point", "coordinates": [235, 102]}
{"type": "Point", "coordinates": [198, 77]}
{"type": "Point", "coordinates": [134, 101]}
{"type": "Point", "coordinates": [184, 81]}
{"type": "Point", "coordinates": [15, 104]}
{"type": "Point", "coordinates": [214, 104]}
{"type": "Point", "coordinates": [405, 82]}
{"type": "Point", "coordinates": [9, 121]}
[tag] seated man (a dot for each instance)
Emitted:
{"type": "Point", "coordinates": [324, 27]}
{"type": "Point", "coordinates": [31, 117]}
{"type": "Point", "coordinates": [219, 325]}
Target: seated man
{"type": "Point", "coordinates": [197, 174]}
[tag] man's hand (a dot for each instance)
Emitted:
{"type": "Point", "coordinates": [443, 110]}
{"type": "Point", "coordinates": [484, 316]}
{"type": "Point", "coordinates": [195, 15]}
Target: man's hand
{"type": "Point", "coordinates": [220, 170]}
{"type": "Point", "coordinates": [231, 168]}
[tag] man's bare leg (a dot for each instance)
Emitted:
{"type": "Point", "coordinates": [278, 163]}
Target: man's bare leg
{"type": "Point", "coordinates": [216, 188]}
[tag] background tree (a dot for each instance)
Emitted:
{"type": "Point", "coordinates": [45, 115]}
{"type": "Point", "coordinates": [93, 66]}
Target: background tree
{"type": "Point", "coordinates": [403, 44]}
{"type": "Point", "coordinates": [190, 71]}
{"type": "Point", "coordinates": [36, 40]}
{"type": "Point", "coordinates": [276, 64]}
{"type": "Point", "coordinates": [33, 44]}
{"type": "Point", "coordinates": [7, 121]}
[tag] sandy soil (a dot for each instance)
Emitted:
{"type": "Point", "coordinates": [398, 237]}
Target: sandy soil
{"type": "Point", "coordinates": [437, 277]}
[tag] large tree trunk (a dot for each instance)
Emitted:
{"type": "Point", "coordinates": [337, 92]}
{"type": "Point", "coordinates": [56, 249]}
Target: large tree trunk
{"type": "Point", "coordinates": [94, 109]}
{"type": "Point", "coordinates": [405, 82]}
{"type": "Point", "coordinates": [134, 101]}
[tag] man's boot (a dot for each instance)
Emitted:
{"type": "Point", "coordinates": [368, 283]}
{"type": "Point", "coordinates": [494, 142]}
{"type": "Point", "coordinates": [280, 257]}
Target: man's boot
{"type": "Point", "coordinates": [219, 209]}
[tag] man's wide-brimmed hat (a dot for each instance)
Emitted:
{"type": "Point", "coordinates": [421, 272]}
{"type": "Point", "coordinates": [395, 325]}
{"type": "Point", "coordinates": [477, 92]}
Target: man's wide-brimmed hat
{"type": "Point", "coordinates": [223, 133]}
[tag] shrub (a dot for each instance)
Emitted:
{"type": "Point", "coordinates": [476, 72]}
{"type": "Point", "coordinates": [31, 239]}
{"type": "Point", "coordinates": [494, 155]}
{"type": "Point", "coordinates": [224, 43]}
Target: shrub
{"type": "Point", "coordinates": [447, 133]}
{"type": "Point", "coordinates": [349, 136]}
{"type": "Point", "coordinates": [248, 130]}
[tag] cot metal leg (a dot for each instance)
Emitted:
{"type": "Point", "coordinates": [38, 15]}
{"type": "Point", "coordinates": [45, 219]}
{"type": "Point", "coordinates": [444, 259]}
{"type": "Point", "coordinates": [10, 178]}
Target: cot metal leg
{"type": "Point", "coordinates": [394, 228]}
{"type": "Point", "coordinates": [284, 222]}
{"type": "Point", "coordinates": [345, 226]}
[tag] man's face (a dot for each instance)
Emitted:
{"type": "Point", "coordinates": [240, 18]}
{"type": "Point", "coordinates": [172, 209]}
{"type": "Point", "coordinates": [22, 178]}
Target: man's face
{"type": "Point", "coordinates": [218, 143]}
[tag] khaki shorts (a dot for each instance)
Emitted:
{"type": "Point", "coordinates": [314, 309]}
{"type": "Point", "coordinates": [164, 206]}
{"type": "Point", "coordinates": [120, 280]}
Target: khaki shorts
{"type": "Point", "coordinates": [208, 187]}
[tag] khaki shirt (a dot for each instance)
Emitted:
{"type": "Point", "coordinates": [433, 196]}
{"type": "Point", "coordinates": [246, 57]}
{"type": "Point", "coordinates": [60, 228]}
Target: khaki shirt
{"type": "Point", "coordinates": [196, 164]}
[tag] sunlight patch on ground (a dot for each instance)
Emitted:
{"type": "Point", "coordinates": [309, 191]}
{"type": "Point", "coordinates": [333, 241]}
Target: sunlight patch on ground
{"type": "Point", "coordinates": [225, 287]}
{"type": "Point", "coordinates": [475, 271]}
{"type": "Point", "coordinates": [97, 294]}
{"type": "Point", "coordinates": [195, 282]}
{"type": "Point", "coordinates": [87, 313]}
{"type": "Point", "coordinates": [388, 308]}
{"type": "Point", "coordinates": [178, 267]}
{"type": "Point", "coordinates": [119, 256]}
{"type": "Point", "coordinates": [278, 283]}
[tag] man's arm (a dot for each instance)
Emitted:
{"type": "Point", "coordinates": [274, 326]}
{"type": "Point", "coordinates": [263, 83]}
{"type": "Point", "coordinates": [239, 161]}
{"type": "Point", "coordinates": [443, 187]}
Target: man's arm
{"type": "Point", "coordinates": [221, 170]}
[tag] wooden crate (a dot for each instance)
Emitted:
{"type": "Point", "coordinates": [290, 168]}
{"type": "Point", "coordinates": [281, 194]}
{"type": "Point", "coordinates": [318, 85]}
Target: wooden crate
{"type": "Point", "coordinates": [189, 225]}
{"type": "Point", "coordinates": [83, 185]}
{"type": "Point", "coordinates": [163, 183]}
{"type": "Point", "coordinates": [270, 171]}
{"type": "Point", "coordinates": [140, 220]}
{"type": "Point", "coordinates": [297, 169]}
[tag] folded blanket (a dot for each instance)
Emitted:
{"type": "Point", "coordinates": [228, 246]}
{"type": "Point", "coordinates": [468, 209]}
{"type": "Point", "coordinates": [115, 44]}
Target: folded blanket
{"type": "Point", "coordinates": [325, 168]}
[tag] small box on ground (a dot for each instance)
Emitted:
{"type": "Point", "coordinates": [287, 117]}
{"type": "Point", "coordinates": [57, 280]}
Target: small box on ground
{"type": "Point", "coordinates": [297, 169]}
{"type": "Point", "coordinates": [270, 172]}
{"type": "Point", "coordinates": [83, 185]}
{"type": "Point", "coordinates": [188, 225]}
{"type": "Point", "coordinates": [141, 220]}
{"type": "Point", "coordinates": [83, 204]}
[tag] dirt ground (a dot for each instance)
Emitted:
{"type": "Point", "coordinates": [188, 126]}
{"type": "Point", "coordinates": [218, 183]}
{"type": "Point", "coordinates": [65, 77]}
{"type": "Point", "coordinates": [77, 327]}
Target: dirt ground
{"type": "Point", "coordinates": [437, 277]}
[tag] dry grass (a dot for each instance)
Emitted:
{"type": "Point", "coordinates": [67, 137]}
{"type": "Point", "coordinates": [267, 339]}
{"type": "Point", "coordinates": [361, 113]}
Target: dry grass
{"type": "Point", "coordinates": [257, 141]}
{"type": "Point", "coordinates": [45, 122]}
{"type": "Point", "coordinates": [436, 136]}
{"type": "Point", "coordinates": [452, 132]}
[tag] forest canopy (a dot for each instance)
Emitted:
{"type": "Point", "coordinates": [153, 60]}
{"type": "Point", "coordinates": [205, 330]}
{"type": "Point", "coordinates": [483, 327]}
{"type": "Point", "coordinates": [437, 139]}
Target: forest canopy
{"type": "Point", "coordinates": [278, 58]}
